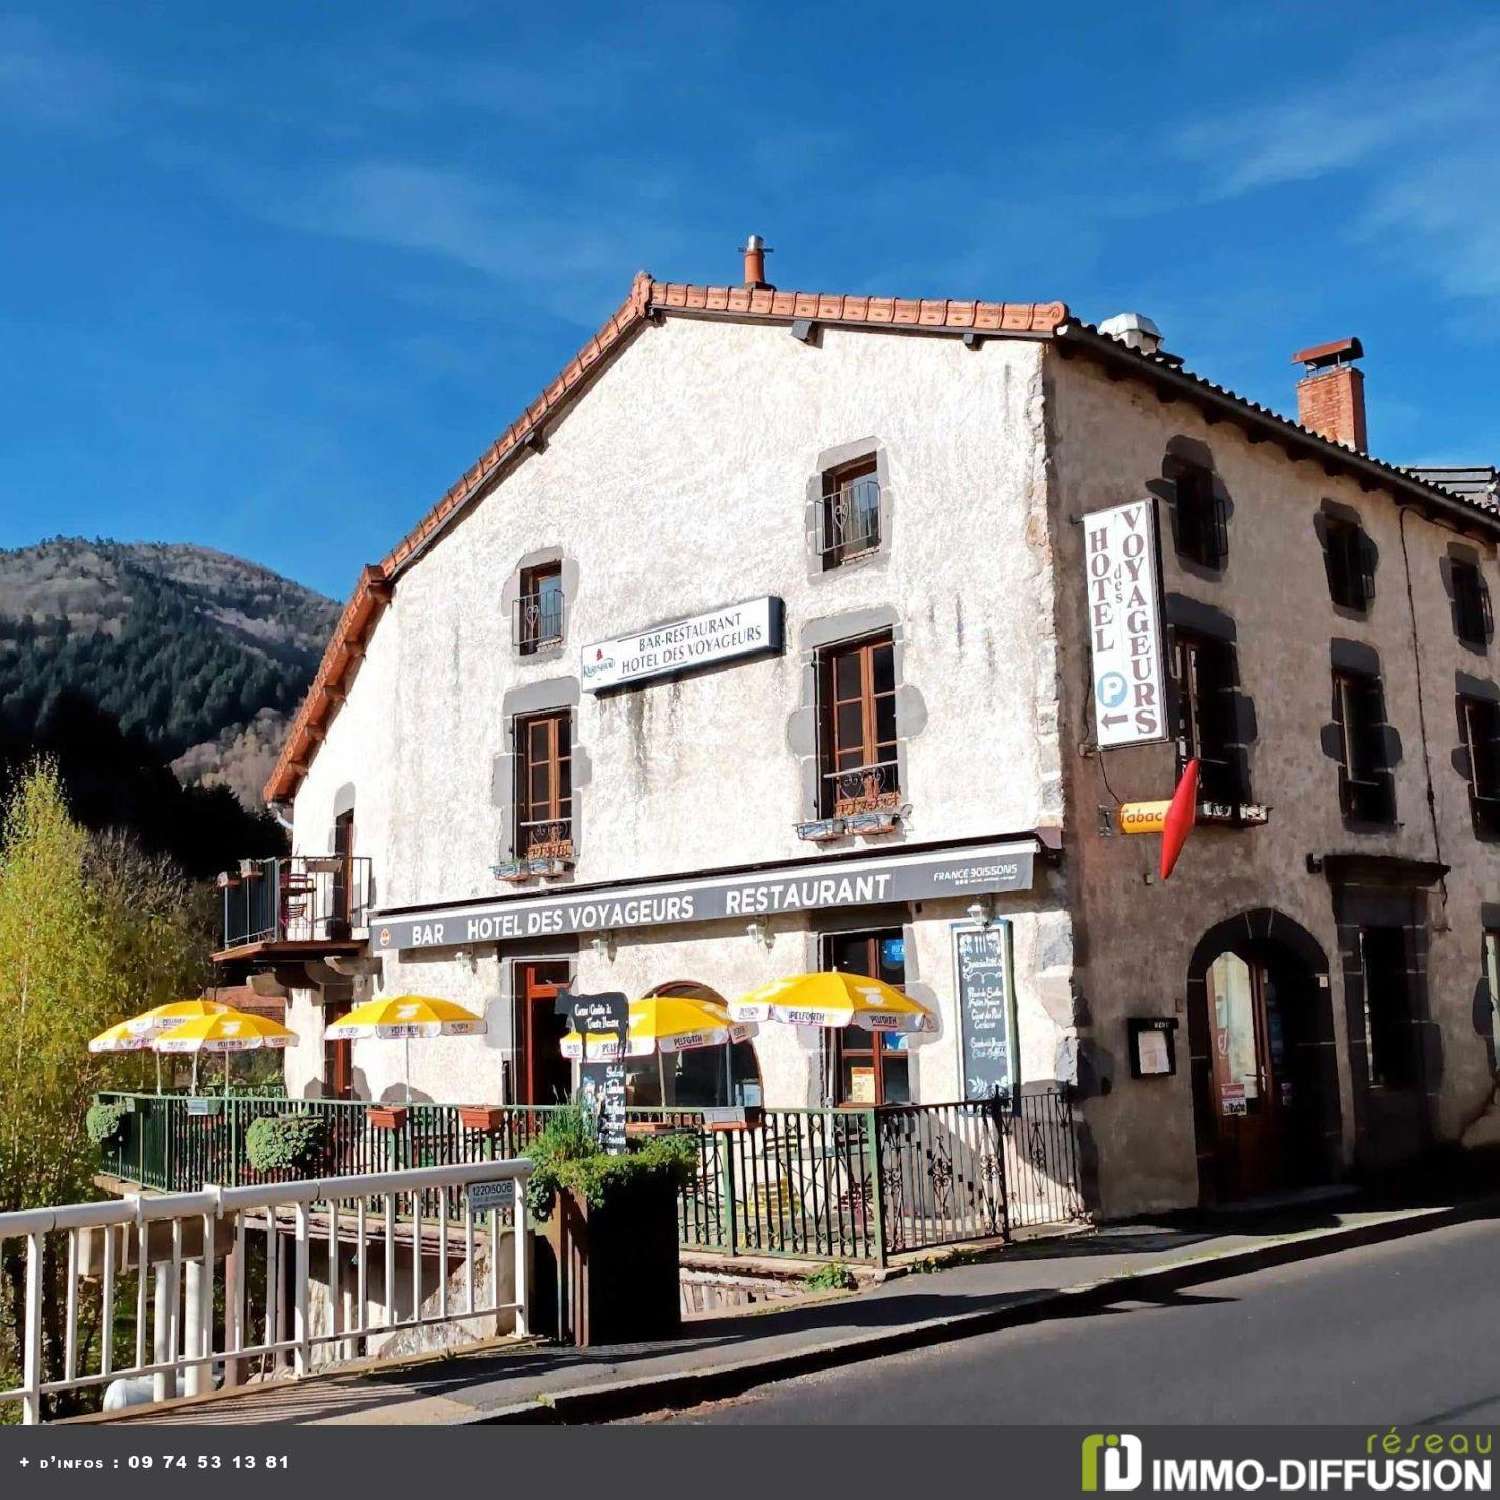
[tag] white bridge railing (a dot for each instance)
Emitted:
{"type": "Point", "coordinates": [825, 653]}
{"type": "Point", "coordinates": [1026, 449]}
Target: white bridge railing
{"type": "Point", "coordinates": [313, 1272]}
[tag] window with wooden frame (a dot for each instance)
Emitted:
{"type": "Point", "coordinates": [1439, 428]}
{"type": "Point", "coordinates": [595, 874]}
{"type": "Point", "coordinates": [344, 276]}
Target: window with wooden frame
{"type": "Point", "coordinates": [1202, 525]}
{"type": "Point", "coordinates": [1473, 622]}
{"type": "Point", "coordinates": [539, 609]}
{"type": "Point", "coordinates": [1203, 668]}
{"type": "Point", "coordinates": [544, 786]}
{"type": "Point", "coordinates": [850, 516]}
{"type": "Point", "coordinates": [1367, 791]}
{"type": "Point", "coordinates": [867, 1067]}
{"type": "Point", "coordinates": [857, 701]}
{"type": "Point", "coordinates": [343, 875]}
{"type": "Point", "coordinates": [1479, 719]}
{"type": "Point", "coordinates": [1350, 561]}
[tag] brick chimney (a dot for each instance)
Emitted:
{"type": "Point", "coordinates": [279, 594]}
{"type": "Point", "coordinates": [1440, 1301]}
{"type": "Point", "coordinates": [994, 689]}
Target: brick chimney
{"type": "Point", "coordinates": [755, 250]}
{"type": "Point", "coordinates": [1331, 395]}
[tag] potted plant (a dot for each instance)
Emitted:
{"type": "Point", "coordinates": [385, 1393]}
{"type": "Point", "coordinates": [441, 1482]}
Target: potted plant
{"type": "Point", "coordinates": [611, 1226]}
{"type": "Point", "coordinates": [486, 1117]}
{"type": "Point", "coordinates": [294, 1142]}
{"type": "Point", "coordinates": [386, 1116]}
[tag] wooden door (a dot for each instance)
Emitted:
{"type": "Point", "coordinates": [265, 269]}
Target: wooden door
{"type": "Point", "coordinates": [543, 1074]}
{"type": "Point", "coordinates": [1248, 1054]}
{"type": "Point", "coordinates": [338, 1057]}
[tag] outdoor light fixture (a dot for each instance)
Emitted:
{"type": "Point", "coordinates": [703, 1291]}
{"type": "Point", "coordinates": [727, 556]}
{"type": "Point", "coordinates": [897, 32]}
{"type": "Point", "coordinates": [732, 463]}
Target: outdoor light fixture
{"type": "Point", "coordinates": [760, 932]}
{"type": "Point", "coordinates": [603, 944]}
{"type": "Point", "coordinates": [982, 912]}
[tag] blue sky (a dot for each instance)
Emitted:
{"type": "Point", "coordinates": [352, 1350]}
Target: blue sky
{"type": "Point", "coordinates": [271, 277]}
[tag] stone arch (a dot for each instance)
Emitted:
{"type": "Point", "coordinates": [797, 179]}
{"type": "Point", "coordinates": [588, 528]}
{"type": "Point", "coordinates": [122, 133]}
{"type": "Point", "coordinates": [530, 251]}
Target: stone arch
{"type": "Point", "coordinates": [1267, 935]}
{"type": "Point", "coordinates": [744, 1060]}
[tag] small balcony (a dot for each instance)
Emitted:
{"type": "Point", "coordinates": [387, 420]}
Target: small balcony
{"type": "Point", "coordinates": [300, 906]}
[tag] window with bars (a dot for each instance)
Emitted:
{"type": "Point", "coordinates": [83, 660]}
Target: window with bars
{"type": "Point", "coordinates": [1350, 559]}
{"type": "Point", "coordinates": [1367, 791]}
{"type": "Point", "coordinates": [1203, 669]}
{"type": "Point", "coordinates": [1473, 622]}
{"type": "Point", "coordinates": [539, 610]}
{"type": "Point", "coordinates": [850, 519]}
{"type": "Point", "coordinates": [544, 787]}
{"type": "Point", "coordinates": [857, 701]}
{"type": "Point", "coordinates": [1202, 525]}
{"type": "Point", "coordinates": [1480, 721]}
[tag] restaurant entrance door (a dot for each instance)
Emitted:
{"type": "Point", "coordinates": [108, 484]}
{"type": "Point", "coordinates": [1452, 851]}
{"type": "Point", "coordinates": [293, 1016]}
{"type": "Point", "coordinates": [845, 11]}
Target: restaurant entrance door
{"type": "Point", "coordinates": [543, 1074]}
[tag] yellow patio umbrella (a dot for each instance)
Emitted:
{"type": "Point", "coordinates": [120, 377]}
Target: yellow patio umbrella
{"type": "Point", "coordinates": [119, 1038]}
{"type": "Point", "coordinates": [135, 1035]}
{"type": "Point", "coordinates": [660, 1024]}
{"type": "Point", "coordinates": [834, 999]}
{"type": "Point", "coordinates": [402, 1017]}
{"type": "Point", "coordinates": [226, 1031]}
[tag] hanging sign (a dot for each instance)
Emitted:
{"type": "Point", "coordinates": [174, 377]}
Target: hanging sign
{"type": "Point", "coordinates": [1125, 635]}
{"type": "Point", "coordinates": [986, 1008]}
{"type": "Point", "coordinates": [724, 634]}
{"type": "Point", "coordinates": [1142, 817]}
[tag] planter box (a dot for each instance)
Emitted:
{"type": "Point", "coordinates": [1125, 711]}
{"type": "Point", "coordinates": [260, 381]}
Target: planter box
{"type": "Point", "coordinates": [386, 1116]}
{"type": "Point", "coordinates": [614, 1272]}
{"type": "Point", "coordinates": [488, 1117]}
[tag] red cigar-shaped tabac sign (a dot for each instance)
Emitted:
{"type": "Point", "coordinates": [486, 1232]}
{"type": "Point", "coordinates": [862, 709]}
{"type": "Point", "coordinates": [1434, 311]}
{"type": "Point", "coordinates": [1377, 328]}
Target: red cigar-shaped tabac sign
{"type": "Point", "coordinates": [1181, 816]}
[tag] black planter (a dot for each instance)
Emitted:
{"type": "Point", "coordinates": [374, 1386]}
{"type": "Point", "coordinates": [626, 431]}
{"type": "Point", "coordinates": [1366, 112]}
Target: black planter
{"type": "Point", "coordinates": [617, 1265]}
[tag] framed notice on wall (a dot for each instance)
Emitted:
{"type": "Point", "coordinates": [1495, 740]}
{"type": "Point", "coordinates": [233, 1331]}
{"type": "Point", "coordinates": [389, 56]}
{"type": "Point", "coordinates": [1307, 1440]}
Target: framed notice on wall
{"type": "Point", "coordinates": [1123, 579]}
{"type": "Point", "coordinates": [986, 1008]}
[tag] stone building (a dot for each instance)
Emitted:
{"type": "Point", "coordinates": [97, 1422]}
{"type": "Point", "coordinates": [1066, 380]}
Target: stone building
{"type": "Point", "coordinates": [764, 642]}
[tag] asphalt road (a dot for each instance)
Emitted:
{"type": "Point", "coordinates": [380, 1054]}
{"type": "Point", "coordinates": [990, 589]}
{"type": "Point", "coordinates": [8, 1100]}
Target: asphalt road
{"type": "Point", "coordinates": [1402, 1332]}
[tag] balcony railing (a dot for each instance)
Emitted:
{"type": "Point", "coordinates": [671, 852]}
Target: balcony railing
{"type": "Point", "coordinates": [851, 522]}
{"type": "Point", "coordinates": [831, 1184]}
{"type": "Point", "coordinates": [539, 620]}
{"type": "Point", "coordinates": [304, 898]}
{"type": "Point", "coordinates": [873, 788]}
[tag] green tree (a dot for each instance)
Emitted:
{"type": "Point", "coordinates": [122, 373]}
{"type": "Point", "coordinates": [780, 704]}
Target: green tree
{"type": "Point", "coordinates": [91, 931]}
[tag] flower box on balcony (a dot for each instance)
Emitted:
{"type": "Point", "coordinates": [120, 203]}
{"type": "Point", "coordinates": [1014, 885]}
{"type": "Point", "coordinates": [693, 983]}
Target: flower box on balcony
{"type": "Point", "coordinates": [486, 1117]}
{"type": "Point", "coordinates": [386, 1116]}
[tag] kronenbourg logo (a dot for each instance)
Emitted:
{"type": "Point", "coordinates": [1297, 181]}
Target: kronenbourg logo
{"type": "Point", "coordinates": [1122, 1461]}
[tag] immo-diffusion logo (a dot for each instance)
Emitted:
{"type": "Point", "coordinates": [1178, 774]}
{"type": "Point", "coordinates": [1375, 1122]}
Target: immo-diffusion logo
{"type": "Point", "coordinates": [1122, 1463]}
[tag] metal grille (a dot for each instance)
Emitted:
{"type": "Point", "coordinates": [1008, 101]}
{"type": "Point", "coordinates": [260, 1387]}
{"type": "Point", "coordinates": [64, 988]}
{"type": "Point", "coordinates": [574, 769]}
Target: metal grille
{"type": "Point", "coordinates": [851, 521]}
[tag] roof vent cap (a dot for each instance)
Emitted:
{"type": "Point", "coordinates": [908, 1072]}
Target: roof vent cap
{"type": "Point", "coordinates": [1134, 329]}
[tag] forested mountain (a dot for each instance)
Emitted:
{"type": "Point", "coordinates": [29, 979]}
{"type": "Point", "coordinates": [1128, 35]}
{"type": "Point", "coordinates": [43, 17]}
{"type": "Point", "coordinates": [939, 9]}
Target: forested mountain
{"type": "Point", "coordinates": [198, 654]}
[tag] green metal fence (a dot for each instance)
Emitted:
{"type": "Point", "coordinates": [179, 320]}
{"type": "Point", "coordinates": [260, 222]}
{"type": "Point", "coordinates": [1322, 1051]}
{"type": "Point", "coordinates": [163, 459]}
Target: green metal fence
{"type": "Point", "coordinates": [810, 1184]}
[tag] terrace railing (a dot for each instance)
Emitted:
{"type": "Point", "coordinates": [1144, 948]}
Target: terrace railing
{"type": "Point", "coordinates": [809, 1184]}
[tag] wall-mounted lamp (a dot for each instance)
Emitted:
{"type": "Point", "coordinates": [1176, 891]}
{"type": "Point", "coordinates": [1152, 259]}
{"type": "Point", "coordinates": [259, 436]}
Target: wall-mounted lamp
{"type": "Point", "coordinates": [760, 932]}
{"type": "Point", "coordinates": [603, 944]}
{"type": "Point", "coordinates": [982, 912]}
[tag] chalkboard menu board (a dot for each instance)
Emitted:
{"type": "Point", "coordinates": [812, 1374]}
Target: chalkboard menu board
{"type": "Point", "coordinates": [602, 1021]}
{"type": "Point", "coordinates": [981, 958]}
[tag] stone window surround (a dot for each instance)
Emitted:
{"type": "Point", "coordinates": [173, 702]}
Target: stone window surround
{"type": "Point", "coordinates": [1184, 613]}
{"type": "Point", "coordinates": [840, 457]}
{"type": "Point", "coordinates": [1184, 453]}
{"type": "Point", "coordinates": [1485, 690]}
{"type": "Point", "coordinates": [1459, 553]}
{"type": "Point", "coordinates": [1358, 657]}
{"type": "Point", "coordinates": [1331, 511]}
{"type": "Point", "coordinates": [510, 594]}
{"type": "Point", "coordinates": [803, 730]}
{"type": "Point", "coordinates": [521, 702]}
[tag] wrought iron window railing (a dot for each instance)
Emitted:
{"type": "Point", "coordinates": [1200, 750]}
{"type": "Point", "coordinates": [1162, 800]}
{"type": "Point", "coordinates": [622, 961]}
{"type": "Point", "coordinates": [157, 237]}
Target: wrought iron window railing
{"type": "Point", "coordinates": [851, 521]}
{"type": "Point", "coordinates": [861, 789]}
{"type": "Point", "coordinates": [545, 838]}
{"type": "Point", "coordinates": [304, 898]}
{"type": "Point", "coordinates": [539, 620]}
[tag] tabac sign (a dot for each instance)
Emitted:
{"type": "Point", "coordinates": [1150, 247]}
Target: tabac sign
{"type": "Point", "coordinates": [1125, 635]}
{"type": "Point", "coordinates": [734, 630]}
{"type": "Point", "coordinates": [979, 869]}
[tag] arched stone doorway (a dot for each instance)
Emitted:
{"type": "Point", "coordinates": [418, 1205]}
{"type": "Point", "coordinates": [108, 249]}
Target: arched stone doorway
{"type": "Point", "coordinates": [701, 1078]}
{"type": "Point", "coordinates": [1264, 1064]}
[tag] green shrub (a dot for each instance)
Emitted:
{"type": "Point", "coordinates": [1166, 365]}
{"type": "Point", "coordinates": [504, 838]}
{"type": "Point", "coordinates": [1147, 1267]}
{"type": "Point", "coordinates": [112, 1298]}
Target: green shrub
{"type": "Point", "coordinates": [103, 1120]}
{"type": "Point", "coordinates": [834, 1277]}
{"type": "Point", "coordinates": [566, 1155]}
{"type": "Point", "coordinates": [290, 1142]}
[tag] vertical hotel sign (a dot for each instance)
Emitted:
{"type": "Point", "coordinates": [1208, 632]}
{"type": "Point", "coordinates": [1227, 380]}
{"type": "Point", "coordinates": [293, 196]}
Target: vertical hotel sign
{"type": "Point", "coordinates": [1125, 634]}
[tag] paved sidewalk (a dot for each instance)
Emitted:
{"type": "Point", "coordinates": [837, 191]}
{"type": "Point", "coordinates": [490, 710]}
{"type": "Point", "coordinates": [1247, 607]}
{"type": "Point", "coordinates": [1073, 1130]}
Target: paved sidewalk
{"type": "Point", "coordinates": [722, 1356]}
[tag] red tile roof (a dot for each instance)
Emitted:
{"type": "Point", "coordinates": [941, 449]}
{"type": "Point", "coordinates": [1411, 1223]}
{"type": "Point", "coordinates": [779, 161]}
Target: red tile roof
{"type": "Point", "coordinates": [647, 299]}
